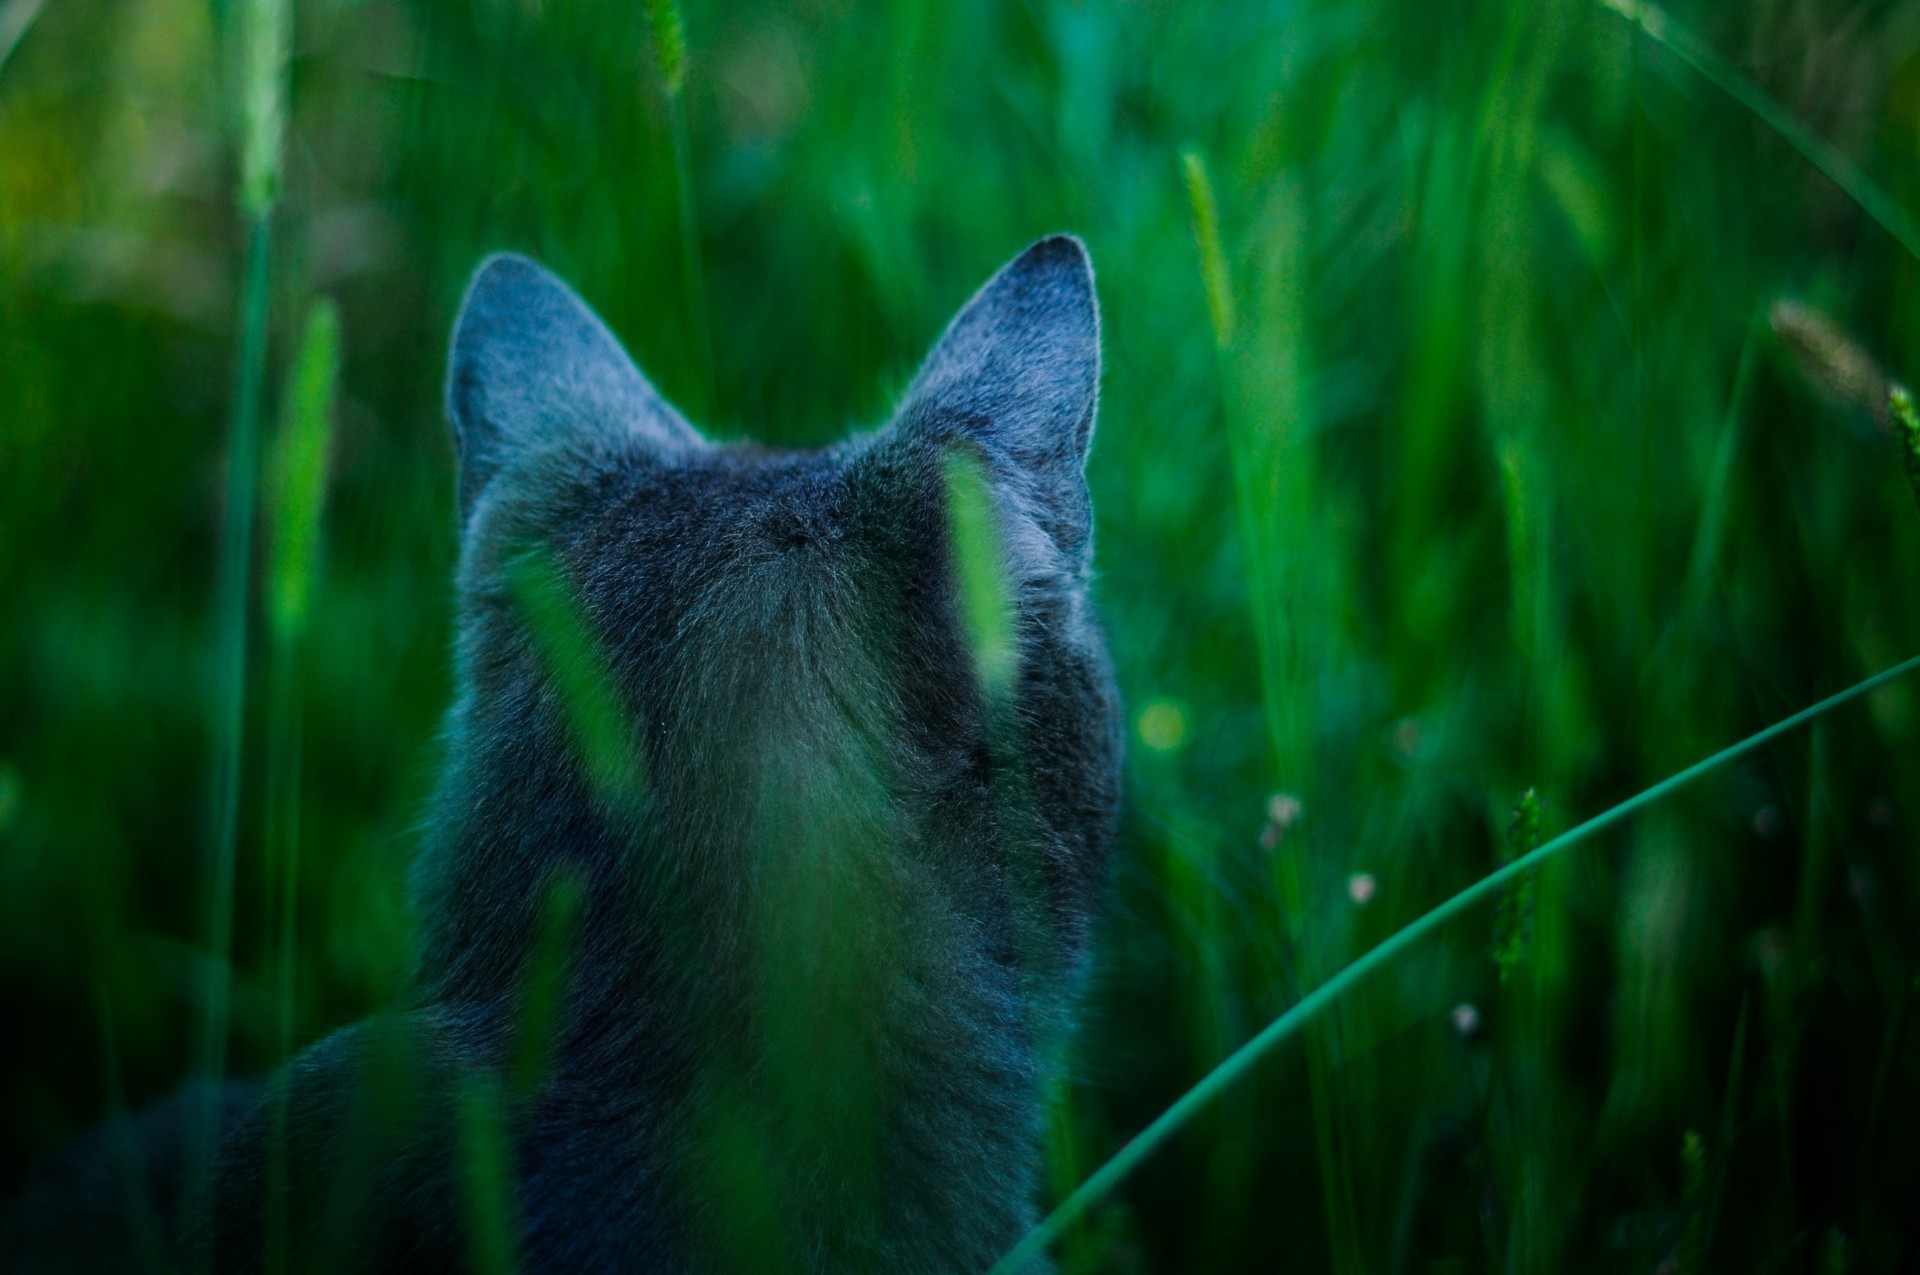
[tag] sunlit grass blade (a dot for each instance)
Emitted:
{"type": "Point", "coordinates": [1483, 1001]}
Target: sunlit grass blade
{"type": "Point", "coordinates": [295, 494]}
{"type": "Point", "coordinates": [1906, 426]}
{"type": "Point", "coordinates": [1822, 154]}
{"type": "Point", "coordinates": [591, 701]}
{"type": "Point", "coordinates": [1129, 1157]}
{"type": "Point", "coordinates": [1205, 212]}
{"type": "Point", "coordinates": [296, 474]}
{"type": "Point", "coordinates": [265, 27]}
{"type": "Point", "coordinates": [986, 602]}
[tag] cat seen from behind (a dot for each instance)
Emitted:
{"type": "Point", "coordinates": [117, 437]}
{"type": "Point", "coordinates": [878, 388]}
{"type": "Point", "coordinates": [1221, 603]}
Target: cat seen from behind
{"type": "Point", "coordinates": [779, 795]}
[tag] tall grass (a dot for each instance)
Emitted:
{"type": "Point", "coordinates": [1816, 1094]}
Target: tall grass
{"type": "Point", "coordinates": [1108, 1175]}
{"type": "Point", "coordinates": [1451, 446]}
{"type": "Point", "coordinates": [669, 30]}
{"type": "Point", "coordinates": [1824, 155]}
{"type": "Point", "coordinates": [296, 479]}
{"type": "Point", "coordinates": [261, 39]}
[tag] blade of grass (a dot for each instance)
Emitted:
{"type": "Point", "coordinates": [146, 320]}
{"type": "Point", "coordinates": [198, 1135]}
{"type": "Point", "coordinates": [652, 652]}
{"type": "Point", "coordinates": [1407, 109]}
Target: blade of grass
{"type": "Point", "coordinates": [987, 608]}
{"type": "Point", "coordinates": [1262, 362]}
{"type": "Point", "coordinates": [129, 1157]}
{"type": "Point", "coordinates": [230, 702]}
{"type": "Point", "coordinates": [543, 998]}
{"type": "Point", "coordinates": [1819, 152]}
{"type": "Point", "coordinates": [262, 108]}
{"type": "Point", "coordinates": [670, 54]}
{"type": "Point", "coordinates": [488, 1165]}
{"type": "Point", "coordinates": [1129, 1157]}
{"type": "Point", "coordinates": [1711, 529]}
{"type": "Point", "coordinates": [296, 480]}
{"type": "Point", "coordinates": [1906, 426]}
{"type": "Point", "coordinates": [590, 699]}
{"type": "Point", "coordinates": [1890, 1043]}
{"type": "Point", "coordinates": [1729, 1121]}
{"type": "Point", "coordinates": [14, 21]}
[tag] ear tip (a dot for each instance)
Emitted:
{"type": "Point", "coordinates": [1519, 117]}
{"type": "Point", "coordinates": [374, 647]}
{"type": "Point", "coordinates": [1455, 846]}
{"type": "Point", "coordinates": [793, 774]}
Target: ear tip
{"type": "Point", "coordinates": [509, 262]}
{"type": "Point", "coordinates": [1064, 256]}
{"type": "Point", "coordinates": [496, 291]}
{"type": "Point", "coordinates": [499, 279]}
{"type": "Point", "coordinates": [1062, 247]}
{"type": "Point", "coordinates": [1060, 268]}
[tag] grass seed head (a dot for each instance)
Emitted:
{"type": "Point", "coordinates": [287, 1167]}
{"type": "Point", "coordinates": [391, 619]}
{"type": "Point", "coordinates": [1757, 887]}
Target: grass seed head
{"type": "Point", "coordinates": [1906, 428]}
{"type": "Point", "coordinates": [1513, 913]}
{"type": "Point", "coordinates": [1836, 365]}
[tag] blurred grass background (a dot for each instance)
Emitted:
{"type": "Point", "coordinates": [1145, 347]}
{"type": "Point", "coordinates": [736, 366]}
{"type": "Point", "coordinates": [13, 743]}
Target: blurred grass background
{"type": "Point", "coordinates": [1483, 468]}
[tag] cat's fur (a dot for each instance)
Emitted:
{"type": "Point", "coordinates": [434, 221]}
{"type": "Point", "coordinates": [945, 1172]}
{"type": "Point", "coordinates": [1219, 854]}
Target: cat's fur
{"type": "Point", "coordinates": [830, 919]}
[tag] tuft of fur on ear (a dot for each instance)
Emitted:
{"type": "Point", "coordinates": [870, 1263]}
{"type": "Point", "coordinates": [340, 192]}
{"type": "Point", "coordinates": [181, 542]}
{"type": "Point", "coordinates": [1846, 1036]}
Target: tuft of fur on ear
{"type": "Point", "coordinates": [1017, 373]}
{"type": "Point", "coordinates": [532, 367]}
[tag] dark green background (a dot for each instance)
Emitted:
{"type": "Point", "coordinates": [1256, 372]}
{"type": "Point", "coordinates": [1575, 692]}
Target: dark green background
{"type": "Point", "coordinates": [1509, 521]}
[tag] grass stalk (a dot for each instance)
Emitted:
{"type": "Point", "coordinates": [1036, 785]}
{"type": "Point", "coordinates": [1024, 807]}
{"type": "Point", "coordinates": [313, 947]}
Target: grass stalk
{"type": "Point", "coordinates": [230, 654]}
{"type": "Point", "coordinates": [1148, 1140]}
{"type": "Point", "coordinates": [1710, 531]}
{"type": "Point", "coordinates": [1906, 427]}
{"type": "Point", "coordinates": [1260, 369]}
{"type": "Point", "coordinates": [1258, 365]}
{"type": "Point", "coordinates": [670, 55]}
{"type": "Point", "coordinates": [295, 493]}
{"type": "Point", "coordinates": [263, 50]}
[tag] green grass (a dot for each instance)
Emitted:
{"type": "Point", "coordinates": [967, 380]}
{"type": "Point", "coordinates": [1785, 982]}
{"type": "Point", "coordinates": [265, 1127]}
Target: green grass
{"type": "Point", "coordinates": [1451, 447]}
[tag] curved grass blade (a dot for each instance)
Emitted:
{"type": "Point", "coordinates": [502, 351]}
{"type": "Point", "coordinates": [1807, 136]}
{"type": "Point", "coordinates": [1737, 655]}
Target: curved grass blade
{"type": "Point", "coordinates": [1237, 1064]}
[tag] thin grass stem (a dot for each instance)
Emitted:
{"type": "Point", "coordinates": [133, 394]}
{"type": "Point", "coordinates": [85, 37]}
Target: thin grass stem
{"type": "Point", "coordinates": [230, 654]}
{"type": "Point", "coordinates": [1236, 1065]}
{"type": "Point", "coordinates": [670, 54]}
{"type": "Point", "coordinates": [296, 479]}
{"type": "Point", "coordinates": [261, 119]}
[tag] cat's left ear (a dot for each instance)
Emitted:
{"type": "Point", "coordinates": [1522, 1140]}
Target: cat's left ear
{"type": "Point", "coordinates": [532, 367]}
{"type": "Point", "coordinates": [1017, 373]}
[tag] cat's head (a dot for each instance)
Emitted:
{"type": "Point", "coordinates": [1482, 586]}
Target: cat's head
{"type": "Point", "coordinates": [677, 652]}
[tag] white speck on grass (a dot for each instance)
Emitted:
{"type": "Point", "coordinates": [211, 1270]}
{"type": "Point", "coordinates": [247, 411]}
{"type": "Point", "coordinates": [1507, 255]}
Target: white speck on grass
{"type": "Point", "coordinates": [1464, 1018]}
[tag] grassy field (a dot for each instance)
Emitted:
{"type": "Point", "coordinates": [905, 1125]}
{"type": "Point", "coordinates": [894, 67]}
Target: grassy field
{"type": "Point", "coordinates": [1495, 401]}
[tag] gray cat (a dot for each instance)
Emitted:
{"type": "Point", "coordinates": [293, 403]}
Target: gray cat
{"type": "Point", "coordinates": [756, 892]}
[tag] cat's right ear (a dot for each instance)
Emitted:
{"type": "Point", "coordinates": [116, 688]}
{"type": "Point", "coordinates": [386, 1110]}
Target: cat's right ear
{"type": "Point", "coordinates": [532, 368]}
